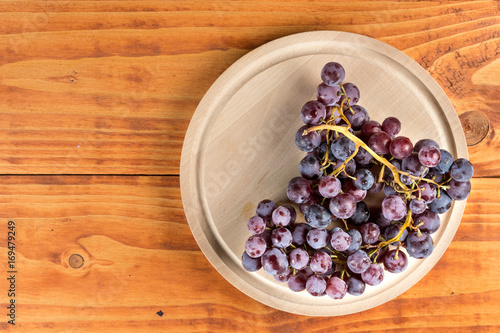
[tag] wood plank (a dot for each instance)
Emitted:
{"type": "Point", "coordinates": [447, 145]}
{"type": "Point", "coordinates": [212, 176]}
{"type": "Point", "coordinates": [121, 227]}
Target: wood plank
{"type": "Point", "coordinates": [124, 93]}
{"type": "Point", "coordinates": [140, 258]}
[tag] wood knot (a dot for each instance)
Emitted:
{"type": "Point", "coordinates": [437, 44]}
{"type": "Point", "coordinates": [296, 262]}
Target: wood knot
{"type": "Point", "coordinates": [75, 261]}
{"type": "Point", "coordinates": [475, 125]}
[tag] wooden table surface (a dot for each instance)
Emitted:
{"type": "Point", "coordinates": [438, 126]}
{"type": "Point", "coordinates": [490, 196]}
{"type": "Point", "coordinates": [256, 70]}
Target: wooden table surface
{"type": "Point", "coordinates": [95, 100]}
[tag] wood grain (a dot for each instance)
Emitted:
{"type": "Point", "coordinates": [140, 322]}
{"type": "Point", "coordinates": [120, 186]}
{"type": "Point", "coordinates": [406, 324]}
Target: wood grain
{"type": "Point", "coordinates": [138, 262]}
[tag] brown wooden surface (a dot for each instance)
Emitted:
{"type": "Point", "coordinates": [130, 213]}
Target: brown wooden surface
{"type": "Point", "coordinates": [95, 99]}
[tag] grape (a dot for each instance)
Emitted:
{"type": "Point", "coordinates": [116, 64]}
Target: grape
{"type": "Point", "coordinates": [358, 118]}
{"type": "Point", "coordinates": [355, 286]}
{"type": "Point", "coordinates": [413, 165]}
{"type": "Point", "coordinates": [358, 262]}
{"type": "Point", "coordinates": [342, 148]}
{"type": "Point", "coordinates": [298, 258]}
{"type": "Point", "coordinates": [340, 240]}
{"type": "Point", "coordinates": [332, 74]}
{"type": "Point", "coordinates": [393, 208]}
{"type": "Point", "coordinates": [281, 216]}
{"type": "Point", "coordinates": [461, 170]}
{"type": "Point", "coordinates": [314, 200]}
{"type": "Point", "coordinates": [316, 285]}
{"type": "Point", "coordinates": [343, 206]}
{"type": "Point", "coordinates": [356, 241]}
{"type": "Point", "coordinates": [428, 192]}
{"type": "Point", "coordinates": [376, 187]}
{"type": "Point", "coordinates": [424, 142]}
{"type": "Point", "coordinates": [318, 216]}
{"type": "Point", "coordinates": [380, 142]}
{"type": "Point", "coordinates": [255, 246]}
{"type": "Point", "coordinates": [419, 246]}
{"type": "Point", "coordinates": [299, 233]}
{"type": "Point", "coordinates": [363, 157]}
{"type": "Point", "coordinates": [349, 188]}
{"type": "Point", "coordinates": [329, 186]}
{"type": "Point", "coordinates": [442, 204]}
{"type": "Point", "coordinates": [392, 231]}
{"type": "Point", "coordinates": [299, 190]}
{"type": "Point", "coordinates": [321, 262]}
{"type": "Point", "coordinates": [401, 147]}
{"type": "Point", "coordinates": [297, 282]}
{"type": "Point", "coordinates": [310, 167]}
{"type": "Point", "coordinates": [256, 225]}
{"type": "Point", "coordinates": [370, 233]}
{"type": "Point", "coordinates": [364, 179]}
{"type": "Point", "coordinates": [435, 176]}
{"type": "Point", "coordinates": [369, 128]}
{"type": "Point", "coordinates": [361, 214]}
{"type": "Point", "coordinates": [309, 141]}
{"type": "Point", "coordinates": [317, 238]}
{"type": "Point", "coordinates": [281, 237]}
{"type": "Point", "coordinates": [336, 288]}
{"type": "Point", "coordinates": [328, 95]}
{"type": "Point", "coordinates": [459, 190]}
{"type": "Point", "coordinates": [352, 94]}
{"type": "Point", "coordinates": [429, 156]}
{"type": "Point", "coordinates": [417, 206]}
{"type": "Point", "coordinates": [249, 263]}
{"type": "Point", "coordinates": [265, 209]}
{"type": "Point", "coordinates": [395, 261]}
{"type": "Point", "coordinates": [266, 236]}
{"type": "Point", "coordinates": [430, 220]}
{"type": "Point", "coordinates": [373, 275]}
{"type": "Point", "coordinates": [350, 168]}
{"type": "Point", "coordinates": [274, 261]}
{"type": "Point", "coordinates": [445, 163]}
{"type": "Point", "coordinates": [313, 112]}
{"type": "Point", "coordinates": [391, 125]}
{"type": "Point", "coordinates": [283, 277]}
{"type": "Point", "coordinates": [382, 222]}
{"type": "Point", "coordinates": [390, 191]}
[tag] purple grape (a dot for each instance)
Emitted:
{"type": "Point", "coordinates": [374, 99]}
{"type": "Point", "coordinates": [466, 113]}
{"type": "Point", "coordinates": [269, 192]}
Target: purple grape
{"type": "Point", "coordinates": [358, 118]}
{"type": "Point", "coordinates": [392, 231]}
{"type": "Point", "coordinates": [249, 263]}
{"type": "Point", "coordinates": [417, 206]}
{"type": "Point", "coordinates": [350, 168]}
{"type": "Point", "coordinates": [313, 112]}
{"type": "Point", "coordinates": [281, 237]}
{"type": "Point", "coordinates": [442, 204]}
{"type": "Point", "coordinates": [380, 142]}
{"type": "Point", "coordinates": [424, 142]}
{"type": "Point", "coordinates": [445, 163]}
{"type": "Point", "coordinates": [355, 286]}
{"type": "Point", "coordinates": [316, 285]}
{"type": "Point", "coordinates": [340, 240]}
{"type": "Point", "coordinates": [459, 190]}
{"type": "Point", "coordinates": [255, 246]}
{"type": "Point", "coordinates": [309, 141]}
{"type": "Point", "coordinates": [274, 261]}
{"type": "Point", "coordinates": [393, 208]}
{"type": "Point", "coordinates": [310, 167]}
{"type": "Point", "coordinates": [349, 188]}
{"type": "Point", "coordinates": [298, 258]}
{"type": "Point", "coordinates": [356, 241]}
{"type": "Point", "coordinates": [358, 262]}
{"type": "Point", "coordinates": [429, 156]}
{"type": "Point", "coordinates": [419, 246]}
{"type": "Point", "coordinates": [336, 288]}
{"type": "Point", "coordinates": [364, 179]}
{"type": "Point", "coordinates": [374, 275]}
{"type": "Point", "coordinates": [266, 236]}
{"type": "Point", "coordinates": [343, 206]}
{"type": "Point", "coordinates": [401, 147]}
{"type": "Point", "coordinates": [428, 192]}
{"type": "Point", "coordinates": [412, 165]}
{"type": "Point", "coordinates": [382, 221]}
{"type": "Point", "coordinates": [299, 190]}
{"type": "Point", "coordinates": [395, 261]}
{"type": "Point", "coordinates": [376, 187]}
{"type": "Point", "coordinates": [391, 125]}
{"type": "Point", "coordinates": [282, 216]}
{"type": "Point", "coordinates": [351, 93]}
{"type": "Point", "coordinates": [317, 238]}
{"type": "Point", "coordinates": [430, 221]}
{"type": "Point", "coordinates": [369, 128]}
{"type": "Point", "coordinates": [299, 234]}
{"type": "Point", "coordinates": [321, 262]}
{"type": "Point", "coordinates": [370, 233]}
{"type": "Point", "coordinates": [329, 186]}
{"type": "Point", "coordinates": [332, 74]}
{"type": "Point", "coordinates": [285, 276]}
{"type": "Point", "coordinates": [265, 209]}
{"type": "Point", "coordinates": [363, 157]}
{"type": "Point", "coordinates": [256, 225]}
{"type": "Point", "coordinates": [361, 214]}
{"type": "Point", "coordinates": [297, 282]}
{"type": "Point", "coordinates": [435, 176]}
{"type": "Point", "coordinates": [342, 148]}
{"type": "Point", "coordinates": [461, 170]}
{"type": "Point", "coordinates": [318, 216]}
{"type": "Point", "coordinates": [312, 201]}
{"type": "Point", "coordinates": [328, 95]}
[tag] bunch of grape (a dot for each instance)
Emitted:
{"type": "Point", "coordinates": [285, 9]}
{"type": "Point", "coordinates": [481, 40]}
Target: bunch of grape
{"type": "Point", "coordinates": [344, 244]}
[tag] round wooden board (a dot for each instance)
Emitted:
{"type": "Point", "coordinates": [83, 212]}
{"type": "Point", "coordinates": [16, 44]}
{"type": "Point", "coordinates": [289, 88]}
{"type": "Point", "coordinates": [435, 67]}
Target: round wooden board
{"type": "Point", "coordinates": [239, 149]}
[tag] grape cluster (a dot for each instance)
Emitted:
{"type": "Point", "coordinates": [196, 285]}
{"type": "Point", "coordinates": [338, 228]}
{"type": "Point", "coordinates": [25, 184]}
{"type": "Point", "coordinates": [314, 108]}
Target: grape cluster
{"type": "Point", "coordinates": [343, 244]}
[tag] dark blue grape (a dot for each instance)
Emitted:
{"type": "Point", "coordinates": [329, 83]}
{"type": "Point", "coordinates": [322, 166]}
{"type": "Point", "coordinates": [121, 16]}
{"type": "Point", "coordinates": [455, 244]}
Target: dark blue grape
{"type": "Point", "coordinates": [461, 170]}
{"type": "Point", "coordinates": [442, 204]}
{"type": "Point", "coordinates": [342, 148]}
{"type": "Point", "coordinates": [318, 216]}
{"type": "Point", "coordinates": [309, 141]}
{"type": "Point", "coordinates": [364, 179]}
{"type": "Point", "coordinates": [361, 214]}
{"type": "Point", "coordinates": [419, 246]}
{"type": "Point", "coordinates": [445, 163]}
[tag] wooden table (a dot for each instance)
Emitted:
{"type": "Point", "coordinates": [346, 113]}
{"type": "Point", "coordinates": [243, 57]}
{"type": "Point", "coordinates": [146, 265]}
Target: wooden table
{"type": "Point", "coordinates": [95, 100]}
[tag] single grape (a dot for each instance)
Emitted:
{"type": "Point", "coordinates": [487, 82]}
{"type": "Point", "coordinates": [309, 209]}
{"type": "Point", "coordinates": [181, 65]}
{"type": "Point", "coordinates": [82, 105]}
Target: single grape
{"type": "Point", "coordinates": [281, 216]}
{"type": "Point", "coordinates": [395, 261]}
{"type": "Point", "coordinates": [369, 128]}
{"type": "Point", "coordinates": [343, 206]}
{"type": "Point", "coordinates": [332, 74]}
{"type": "Point", "coordinates": [297, 282]}
{"type": "Point", "coordinates": [299, 233]}
{"type": "Point", "coordinates": [358, 262]}
{"type": "Point", "coordinates": [340, 240]}
{"type": "Point", "coordinates": [373, 275]}
{"type": "Point", "coordinates": [391, 125]}
{"type": "Point", "coordinates": [342, 148]}
{"type": "Point", "coordinates": [329, 186]}
{"type": "Point", "coordinates": [299, 190]}
{"type": "Point", "coordinates": [349, 188]}
{"type": "Point", "coordinates": [412, 165]}
{"type": "Point", "coordinates": [459, 190]}
{"type": "Point", "coordinates": [316, 285]}
{"type": "Point", "coordinates": [358, 118]}
{"type": "Point", "coordinates": [355, 286]}
{"type": "Point", "coordinates": [392, 231]}
{"type": "Point", "coordinates": [310, 167]}
{"type": "Point", "coordinates": [428, 192]}
{"type": "Point", "coordinates": [313, 112]}
{"type": "Point", "coordinates": [363, 157]}
{"type": "Point", "coordinates": [445, 163]}
{"type": "Point", "coordinates": [249, 263]}
{"type": "Point", "coordinates": [351, 93]}
{"type": "Point", "coordinates": [429, 156]}
{"type": "Point", "coordinates": [328, 95]}
{"type": "Point", "coordinates": [281, 237]}
{"type": "Point", "coordinates": [265, 209]}
{"type": "Point", "coordinates": [298, 258]}
{"type": "Point", "coordinates": [380, 142]}
{"type": "Point", "coordinates": [417, 206]}
{"type": "Point", "coordinates": [318, 216]}
{"type": "Point", "coordinates": [393, 208]}
{"type": "Point", "coordinates": [364, 179]}
{"type": "Point", "coordinates": [442, 204]}
{"type": "Point", "coordinates": [419, 246]}
{"type": "Point", "coordinates": [356, 241]}
{"type": "Point", "coordinates": [256, 225]}
{"type": "Point", "coordinates": [424, 142]}
{"type": "Point", "coordinates": [336, 288]}
{"type": "Point", "coordinates": [255, 246]}
{"type": "Point", "coordinates": [430, 221]}
{"type": "Point", "coordinates": [361, 214]}
{"type": "Point", "coordinates": [309, 141]}
{"type": "Point", "coordinates": [317, 238]}
{"type": "Point", "coordinates": [370, 233]}
{"type": "Point", "coordinates": [321, 262]}
{"type": "Point", "coordinates": [461, 170]}
{"type": "Point", "coordinates": [401, 147]}
{"type": "Point", "coordinates": [274, 261]}
{"type": "Point", "coordinates": [285, 276]}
